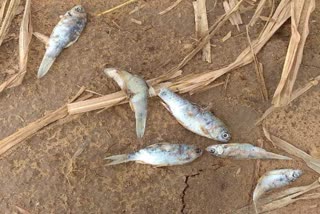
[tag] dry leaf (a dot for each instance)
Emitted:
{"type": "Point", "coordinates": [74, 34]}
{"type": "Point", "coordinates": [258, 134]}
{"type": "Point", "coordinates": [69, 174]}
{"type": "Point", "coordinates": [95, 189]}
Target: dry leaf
{"type": "Point", "coordinates": [300, 15]}
{"type": "Point", "coordinates": [202, 28]}
{"type": "Point", "coordinates": [297, 93]}
{"type": "Point", "coordinates": [312, 162]}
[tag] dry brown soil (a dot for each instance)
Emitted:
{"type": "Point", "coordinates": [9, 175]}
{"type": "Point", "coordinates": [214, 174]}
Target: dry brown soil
{"type": "Point", "coordinates": [33, 175]}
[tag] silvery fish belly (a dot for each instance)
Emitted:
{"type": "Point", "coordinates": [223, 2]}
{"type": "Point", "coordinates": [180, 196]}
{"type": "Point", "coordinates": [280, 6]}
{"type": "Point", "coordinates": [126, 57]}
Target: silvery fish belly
{"type": "Point", "coordinates": [193, 118]}
{"type": "Point", "coordinates": [137, 91]}
{"type": "Point", "coordinates": [274, 179]}
{"type": "Point", "coordinates": [65, 33]}
{"type": "Point", "coordinates": [243, 151]}
{"type": "Point", "coordinates": [161, 154]}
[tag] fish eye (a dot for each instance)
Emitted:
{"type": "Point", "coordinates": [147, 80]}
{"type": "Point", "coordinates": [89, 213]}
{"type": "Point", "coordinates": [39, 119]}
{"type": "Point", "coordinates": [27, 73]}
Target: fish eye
{"type": "Point", "coordinates": [225, 136]}
{"type": "Point", "coordinates": [79, 9]}
{"type": "Point", "coordinates": [198, 150]}
{"type": "Point", "coordinates": [213, 151]}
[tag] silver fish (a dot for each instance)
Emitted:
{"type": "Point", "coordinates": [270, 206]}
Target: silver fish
{"type": "Point", "coordinates": [137, 90]}
{"type": "Point", "coordinates": [243, 151]}
{"type": "Point", "coordinates": [274, 179]}
{"type": "Point", "coordinates": [65, 33]}
{"type": "Point", "coordinates": [193, 118]}
{"type": "Point", "coordinates": [161, 154]}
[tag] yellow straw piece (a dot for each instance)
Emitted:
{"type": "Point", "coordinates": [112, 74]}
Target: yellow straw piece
{"type": "Point", "coordinates": [116, 7]}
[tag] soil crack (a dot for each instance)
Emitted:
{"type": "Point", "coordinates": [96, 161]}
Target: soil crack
{"type": "Point", "coordinates": [186, 188]}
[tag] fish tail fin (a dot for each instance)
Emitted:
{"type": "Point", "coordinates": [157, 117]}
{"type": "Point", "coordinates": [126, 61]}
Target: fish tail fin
{"type": "Point", "coordinates": [117, 159]}
{"type": "Point", "coordinates": [271, 155]}
{"type": "Point", "coordinates": [141, 125]}
{"type": "Point", "coordinates": [45, 65]}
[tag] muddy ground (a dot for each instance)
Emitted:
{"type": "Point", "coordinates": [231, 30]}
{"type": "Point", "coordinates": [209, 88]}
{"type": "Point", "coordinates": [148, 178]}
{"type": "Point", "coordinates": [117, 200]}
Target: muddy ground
{"type": "Point", "coordinates": [33, 175]}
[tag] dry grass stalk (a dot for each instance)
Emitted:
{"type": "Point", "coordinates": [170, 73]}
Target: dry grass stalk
{"type": "Point", "coordinates": [22, 134]}
{"type": "Point", "coordinates": [300, 15]}
{"type": "Point", "coordinates": [312, 162]}
{"type": "Point", "coordinates": [297, 93]}
{"type": "Point", "coordinates": [259, 70]}
{"type": "Point", "coordinates": [22, 211]}
{"type": "Point", "coordinates": [170, 7]}
{"type": "Point", "coordinates": [43, 38]}
{"type": "Point", "coordinates": [282, 199]}
{"type": "Point", "coordinates": [25, 37]}
{"type": "Point", "coordinates": [116, 7]}
{"type": "Point", "coordinates": [117, 98]}
{"type": "Point", "coordinates": [195, 82]}
{"type": "Point", "coordinates": [138, 22]}
{"type": "Point", "coordinates": [257, 13]}
{"type": "Point", "coordinates": [9, 14]}
{"type": "Point", "coordinates": [212, 31]}
{"type": "Point", "coordinates": [202, 28]}
{"type": "Point", "coordinates": [226, 37]}
{"type": "Point", "coordinates": [235, 18]}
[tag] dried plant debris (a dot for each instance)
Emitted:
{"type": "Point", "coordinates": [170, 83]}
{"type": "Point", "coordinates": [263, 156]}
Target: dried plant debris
{"type": "Point", "coordinates": [226, 37]}
{"type": "Point", "coordinates": [297, 93]}
{"type": "Point", "coordinates": [282, 199]}
{"type": "Point", "coordinates": [25, 37]}
{"type": "Point", "coordinates": [259, 70]}
{"type": "Point", "coordinates": [235, 18]}
{"type": "Point", "coordinates": [300, 15]}
{"type": "Point", "coordinates": [196, 82]}
{"type": "Point", "coordinates": [118, 98]}
{"type": "Point", "coordinates": [116, 7]}
{"type": "Point", "coordinates": [202, 28]}
{"type": "Point", "coordinates": [312, 162]}
{"type": "Point", "coordinates": [257, 13]}
{"type": "Point", "coordinates": [23, 133]}
{"type": "Point", "coordinates": [6, 16]}
{"type": "Point", "coordinates": [170, 7]}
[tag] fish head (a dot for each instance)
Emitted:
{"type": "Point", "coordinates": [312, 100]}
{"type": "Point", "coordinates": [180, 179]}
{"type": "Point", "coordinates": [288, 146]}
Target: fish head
{"type": "Point", "coordinates": [116, 75]}
{"type": "Point", "coordinates": [216, 150]}
{"type": "Point", "coordinates": [77, 10]}
{"type": "Point", "coordinates": [294, 174]}
{"type": "Point", "coordinates": [219, 133]}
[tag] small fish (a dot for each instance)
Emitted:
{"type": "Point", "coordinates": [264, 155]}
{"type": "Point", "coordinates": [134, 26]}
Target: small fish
{"type": "Point", "coordinates": [137, 91]}
{"type": "Point", "coordinates": [274, 179]}
{"type": "Point", "coordinates": [243, 151]}
{"type": "Point", "coordinates": [193, 118]}
{"type": "Point", "coordinates": [161, 154]}
{"type": "Point", "coordinates": [65, 33]}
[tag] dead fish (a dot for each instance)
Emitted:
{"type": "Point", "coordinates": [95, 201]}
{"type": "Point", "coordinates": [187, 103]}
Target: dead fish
{"type": "Point", "coordinates": [137, 91]}
{"type": "Point", "coordinates": [160, 154]}
{"type": "Point", "coordinates": [274, 179]}
{"type": "Point", "coordinates": [65, 33]}
{"type": "Point", "coordinates": [194, 118]}
{"type": "Point", "coordinates": [243, 151]}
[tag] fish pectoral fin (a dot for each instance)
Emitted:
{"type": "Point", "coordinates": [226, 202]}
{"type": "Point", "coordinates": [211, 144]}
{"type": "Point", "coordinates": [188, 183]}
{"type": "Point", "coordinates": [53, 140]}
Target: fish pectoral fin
{"type": "Point", "coordinates": [166, 106]}
{"type": "Point", "coordinates": [204, 130]}
{"type": "Point", "coordinates": [131, 106]}
{"type": "Point", "coordinates": [73, 41]}
{"type": "Point", "coordinates": [43, 38]}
